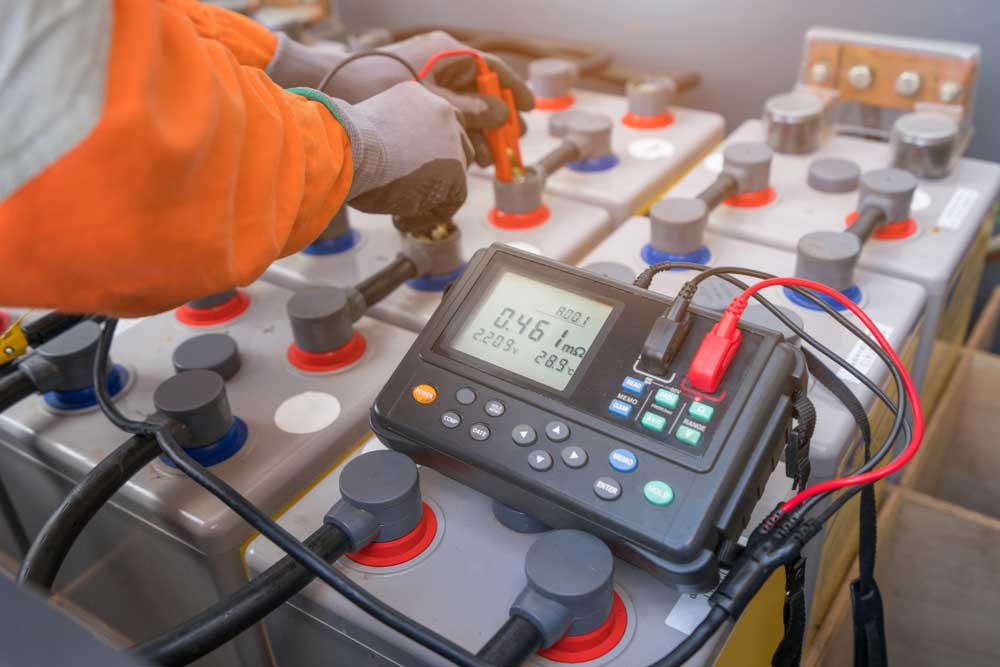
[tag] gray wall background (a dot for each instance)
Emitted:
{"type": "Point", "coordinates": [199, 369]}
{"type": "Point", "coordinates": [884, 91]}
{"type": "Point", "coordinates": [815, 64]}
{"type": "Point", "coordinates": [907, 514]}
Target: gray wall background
{"type": "Point", "coordinates": [746, 50]}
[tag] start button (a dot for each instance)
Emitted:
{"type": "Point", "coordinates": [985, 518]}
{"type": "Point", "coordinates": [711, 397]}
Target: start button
{"type": "Point", "coordinates": [424, 394]}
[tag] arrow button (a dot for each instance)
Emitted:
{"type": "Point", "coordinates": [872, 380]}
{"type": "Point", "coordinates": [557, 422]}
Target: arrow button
{"type": "Point", "coordinates": [540, 460]}
{"type": "Point", "coordinates": [523, 435]}
{"type": "Point", "coordinates": [574, 457]}
{"type": "Point", "coordinates": [557, 431]}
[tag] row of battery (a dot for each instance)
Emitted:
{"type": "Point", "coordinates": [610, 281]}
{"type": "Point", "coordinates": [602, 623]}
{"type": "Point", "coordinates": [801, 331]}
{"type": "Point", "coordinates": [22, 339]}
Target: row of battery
{"type": "Point", "coordinates": [168, 549]}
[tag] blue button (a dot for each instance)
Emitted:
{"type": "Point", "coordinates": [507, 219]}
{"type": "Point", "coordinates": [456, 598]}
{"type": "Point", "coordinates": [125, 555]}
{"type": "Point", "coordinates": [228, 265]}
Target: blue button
{"type": "Point", "coordinates": [623, 460]}
{"type": "Point", "coordinates": [620, 408]}
{"type": "Point", "coordinates": [633, 386]}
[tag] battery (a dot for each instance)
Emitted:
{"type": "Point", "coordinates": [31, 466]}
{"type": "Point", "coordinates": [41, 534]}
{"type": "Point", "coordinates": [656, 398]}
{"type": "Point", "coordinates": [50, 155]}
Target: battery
{"type": "Point", "coordinates": [945, 252]}
{"type": "Point", "coordinates": [165, 549]}
{"type": "Point", "coordinates": [645, 163]}
{"type": "Point", "coordinates": [461, 586]}
{"type": "Point", "coordinates": [897, 307]}
{"type": "Point", "coordinates": [571, 230]}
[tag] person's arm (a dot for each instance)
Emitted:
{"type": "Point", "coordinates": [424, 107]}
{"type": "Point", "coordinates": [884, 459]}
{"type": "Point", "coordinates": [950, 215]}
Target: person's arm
{"type": "Point", "coordinates": [196, 173]}
{"type": "Point", "coordinates": [251, 43]}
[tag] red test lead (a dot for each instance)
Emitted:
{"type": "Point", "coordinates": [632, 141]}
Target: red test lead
{"type": "Point", "coordinates": [717, 349]}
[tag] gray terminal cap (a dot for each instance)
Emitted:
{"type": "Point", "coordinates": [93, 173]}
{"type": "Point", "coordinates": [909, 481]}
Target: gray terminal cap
{"type": "Point", "coordinates": [889, 189]}
{"type": "Point", "coordinates": [198, 400]}
{"type": "Point", "coordinates": [569, 584]}
{"type": "Point", "coordinates": [216, 352]}
{"type": "Point", "coordinates": [793, 122]}
{"type": "Point", "coordinates": [762, 317]}
{"type": "Point", "coordinates": [828, 258]}
{"type": "Point", "coordinates": [925, 143]}
{"type": "Point", "coordinates": [340, 225]}
{"type": "Point", "coordinates": [834, 175]}
{"type": "Point", "coordinates": [677, 224]}
{"type": "Point", "coordinates": [591, 130]}
{"type": "Point", "coordinates": [520, 195]}
{"type": "Point", "coordinates": [650, 96]}
{"type": "Point", "coordinates": [322, 318]}
{"type": "Point", "coordinates": [73, 353]}
{"type": "Point", "coordinates": [750, 164]}
{"type": "Point", "coordinates": [551, 77]}
{"type": "Point", "coordinates": [444, 253]}
{"type": "Point", "coordinates": [516, 520]}
{"type": "Point", "coordinates": [212, 300]}
{"type": "Point", "coordinates": [384, 484]}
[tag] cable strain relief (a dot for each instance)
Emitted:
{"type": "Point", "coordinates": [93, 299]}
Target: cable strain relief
{"type": "Point", "coordinates": [360, 526]}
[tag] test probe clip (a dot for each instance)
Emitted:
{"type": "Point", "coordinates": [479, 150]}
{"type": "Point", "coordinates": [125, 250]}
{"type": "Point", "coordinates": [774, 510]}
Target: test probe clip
{"type": "Point", "coordinates": [504, 141]}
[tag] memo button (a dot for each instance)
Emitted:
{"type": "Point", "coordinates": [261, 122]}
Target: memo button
{"type": "Point", "coordinates": [424, 394]}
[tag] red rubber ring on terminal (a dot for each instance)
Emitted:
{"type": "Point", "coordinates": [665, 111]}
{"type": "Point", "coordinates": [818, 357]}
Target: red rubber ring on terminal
{"type": "Point", "coordinates": [889, 232]}
{"type": "Point", "coordinates": [594, 644]}
{"type": "Point", "coordinates": [554, 103]}
{"type": "Point", "coordinates": [753, 199]}
{"type": "Point", "coordinates": [216, 315]}
{"type": "Point", "coordinates": [527, 220]}
{"type": "Point", "coordinates": [323, 362]}
{"type": "Point", "coordinates": [647, 122]}
{"type": "Point", "coordinates": [402, 550]}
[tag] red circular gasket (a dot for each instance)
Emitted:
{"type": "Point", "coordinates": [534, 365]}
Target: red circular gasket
{"type": "Point", "coordinates": [892, 231]}
{"type": "Point", "coordinates": [322, 362]}
{"type": "Point", "coordinates": [4, 320]}
{"type": "Point", "coordinates": [527, 220]}
{"type": "Point", "coordinates": [555, 103]}
{"type": "Point", "coordinates": [216, 315]}
{"type": "Point", "coordinates": [402, 550]}
{"type": "Point", "coordinates": [753, 199]}
{"type": "Point", "coordinates": [647, 122]}
{"type": "Point", "coordinates": [594, 644]}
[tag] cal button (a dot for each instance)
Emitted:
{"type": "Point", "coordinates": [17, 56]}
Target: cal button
{"type": "Point", "coordinates": [424, 394]}
{"type": "Point", "coordinates": [622, 460]}
{"type": "Point", "coordinates": [633, 386]}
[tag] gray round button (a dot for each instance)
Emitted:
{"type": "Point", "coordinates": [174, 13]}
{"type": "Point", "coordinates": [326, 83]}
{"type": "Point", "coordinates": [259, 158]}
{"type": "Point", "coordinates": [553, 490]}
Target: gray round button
{"type": "Point", "coordinates": [557, 431]}
{"type": "Point", "coordinates": [465, 396]}
{"type": "Point", "coordinates": [523, 435]}
{"type": "Point", "coordinates": [494, 408]}
{"type": "Point", "coordinates": [607, 488]}
{"type": "Point", "coordinates": [574, 457]}
{"type": "Point", "coordinates": [540, 460]}
{"type": "Point", "coordinates": [451, 419]}
{"type": "Point", "coordinates": [479, 432]}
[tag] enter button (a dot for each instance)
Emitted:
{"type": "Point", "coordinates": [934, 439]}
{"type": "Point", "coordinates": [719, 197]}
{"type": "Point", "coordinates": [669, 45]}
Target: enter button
{"type": "Point", "coordinates": [658, 493]}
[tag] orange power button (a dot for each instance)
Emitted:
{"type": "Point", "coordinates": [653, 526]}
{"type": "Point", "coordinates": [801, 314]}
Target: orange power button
{"type": "Point", "coordinates": [424, 394]}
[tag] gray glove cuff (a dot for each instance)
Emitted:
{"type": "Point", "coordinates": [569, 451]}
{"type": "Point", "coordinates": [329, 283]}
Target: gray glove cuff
{"type": "Point", "coordinates": [368, 151]}
{"type": "Point", "coordinates": [295, 64]}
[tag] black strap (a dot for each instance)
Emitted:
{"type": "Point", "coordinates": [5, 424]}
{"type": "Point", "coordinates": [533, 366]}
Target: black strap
{"type": "Point", "coordinates": [866, 600]}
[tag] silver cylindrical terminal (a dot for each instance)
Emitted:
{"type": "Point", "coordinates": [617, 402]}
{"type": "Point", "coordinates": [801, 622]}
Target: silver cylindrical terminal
{"type": "Point", "coordinates": [828, 258]}
{"type": "Point", "coordinates": [749, 164]}
{"type": "Point", "coordinates": [677, 225]}
{"type": "Point", "coordinates": [925, 143]}
{"type": "Point", "coordinates": [793, 122]}
{"type": "Point", "coordinates": [551, 77]}
{"type": "Point", "coordinates": [650, 96]}
{"type": "Point", "coordinates": [890, 190]}
{"type": "Point", "coordinates": [520, 195]}
{"type": "Point", "coordinates": [444, 251]}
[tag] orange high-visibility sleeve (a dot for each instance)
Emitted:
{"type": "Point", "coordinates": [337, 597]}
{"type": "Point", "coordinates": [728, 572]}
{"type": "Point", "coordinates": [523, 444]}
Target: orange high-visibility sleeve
{"type": "Point", "coordinates": [251, 43]}
{"type": "Point", "coordinates": [199, 173]}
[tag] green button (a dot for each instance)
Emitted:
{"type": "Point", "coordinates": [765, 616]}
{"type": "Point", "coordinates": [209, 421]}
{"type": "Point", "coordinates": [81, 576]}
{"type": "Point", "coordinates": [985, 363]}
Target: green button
{"type": "Point", "coordinates": [654, 422]}
{"type": "Point", "coordinates": [667, 398]}
{"type": "Point", "coordinates": [688, 435]}
{"type": "Point", "coordinates": [701, 412]}
{"type": "Point", "coordinates": [658, 493]}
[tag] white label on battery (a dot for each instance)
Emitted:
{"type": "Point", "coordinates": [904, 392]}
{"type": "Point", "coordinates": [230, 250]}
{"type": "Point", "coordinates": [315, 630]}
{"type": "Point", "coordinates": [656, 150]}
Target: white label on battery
{"type": "Point", "coordinates": [688, 612]}
{"type": "Point", "coordinates": [921, 200]}
{"type": "Point", "coordinates": [714, 163]}
{"type": "Point", "coordinates": [861, 356]}
{"type": "Point", "coordinates": [652, 148]}
{"type": "Point", "coordinates": [957, 210]}
{"type": "Point", "coordinates": [308, 412]}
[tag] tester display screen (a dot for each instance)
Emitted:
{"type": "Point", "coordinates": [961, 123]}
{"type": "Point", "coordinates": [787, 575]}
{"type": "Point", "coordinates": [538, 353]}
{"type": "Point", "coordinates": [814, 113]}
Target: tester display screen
{"type": "Point", "coordinates": [532, 329]}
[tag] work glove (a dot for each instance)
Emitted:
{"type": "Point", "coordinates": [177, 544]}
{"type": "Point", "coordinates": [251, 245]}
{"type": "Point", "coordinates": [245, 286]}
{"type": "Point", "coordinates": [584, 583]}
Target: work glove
{"type": "Point", "coordinates": [453, 78]}
{"type": "Point", "coordinates": [410, 154]}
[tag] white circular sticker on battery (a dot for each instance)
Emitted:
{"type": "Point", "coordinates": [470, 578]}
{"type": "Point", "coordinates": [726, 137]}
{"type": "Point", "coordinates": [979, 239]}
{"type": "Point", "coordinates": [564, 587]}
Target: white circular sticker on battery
{"type": "Point", "coordinates": [921, 200]}
{"type": "Point", "coordinates": [308, 412]}
{"type": "Point", "coordinates": [714, 163]}
{"type": "Point", "coordinates": [652, 148]}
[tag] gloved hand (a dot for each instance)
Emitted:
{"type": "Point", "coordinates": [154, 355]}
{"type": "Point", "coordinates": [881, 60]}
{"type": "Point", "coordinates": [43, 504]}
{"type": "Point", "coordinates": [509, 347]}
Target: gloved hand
{"type": "Point", "coordinates": [409, 152]}
{"type": "Point", "coordinates": [454, 79]}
